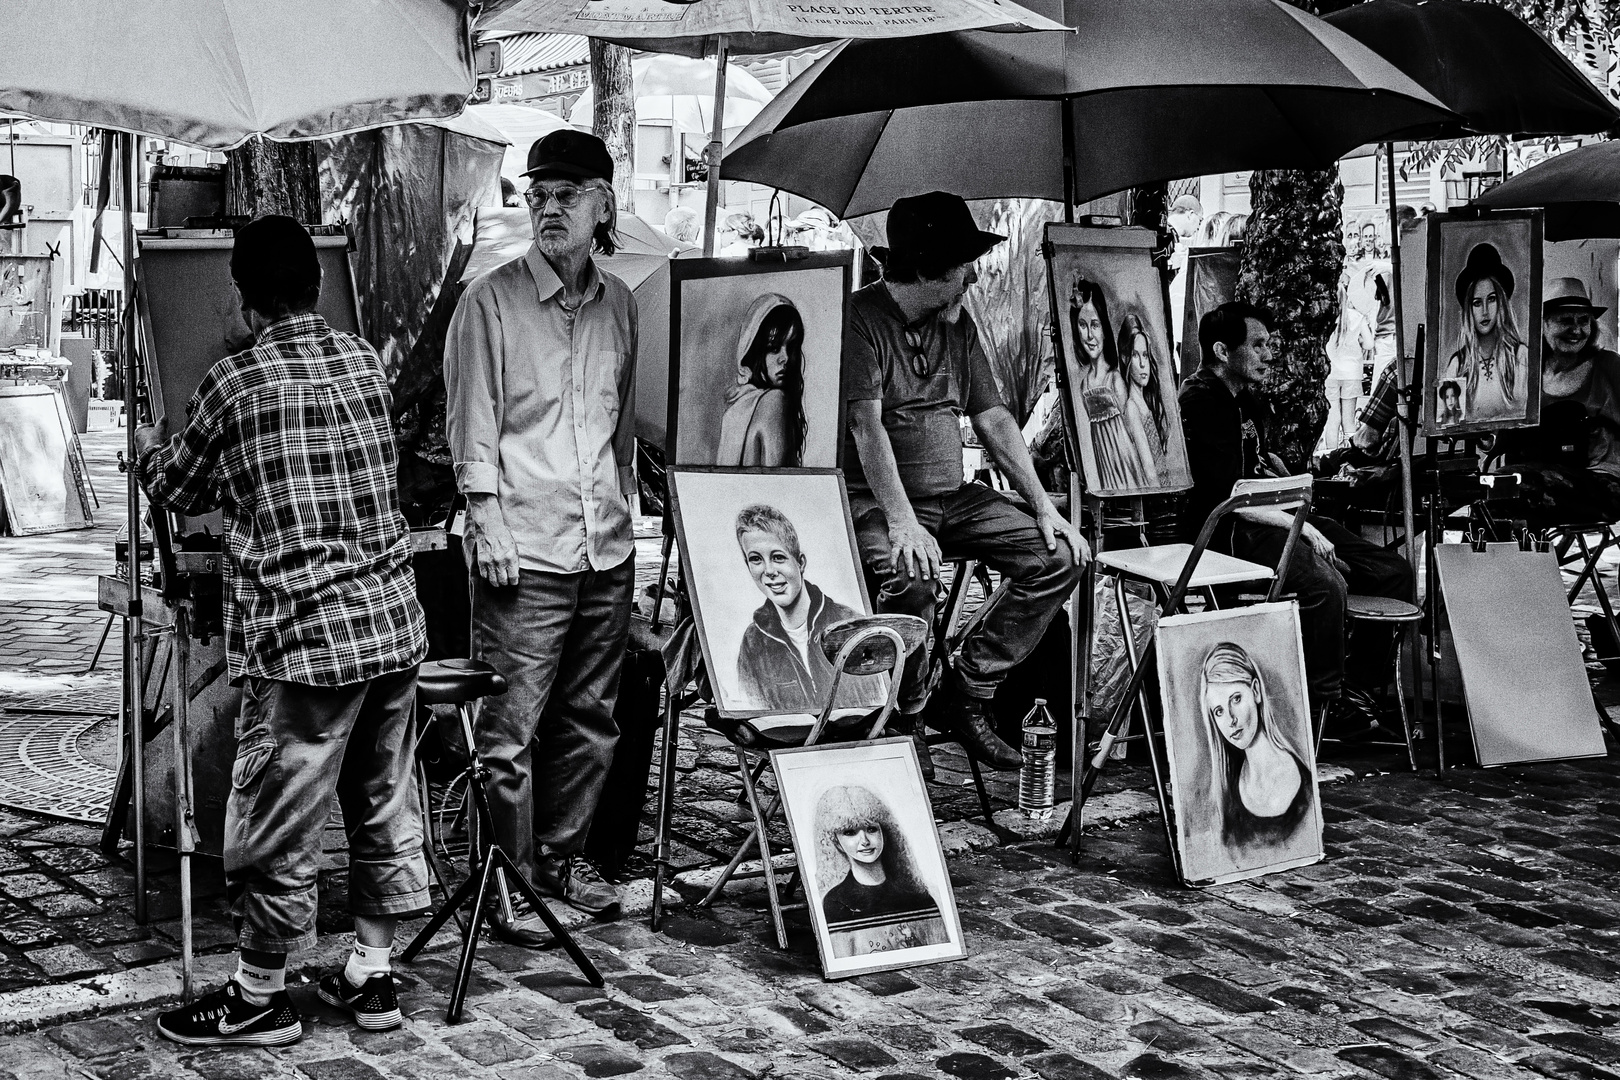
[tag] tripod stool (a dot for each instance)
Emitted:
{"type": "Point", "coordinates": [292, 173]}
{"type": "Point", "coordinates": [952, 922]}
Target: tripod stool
{"type": "Point", "coordinates": [460, 683]}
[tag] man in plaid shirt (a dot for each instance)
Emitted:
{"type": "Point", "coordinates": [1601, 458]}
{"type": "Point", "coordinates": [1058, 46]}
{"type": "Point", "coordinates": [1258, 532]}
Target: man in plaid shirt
{"type": "Point", "coordinates": [293, 439]}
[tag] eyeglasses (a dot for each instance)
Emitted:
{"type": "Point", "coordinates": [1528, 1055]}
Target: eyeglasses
{"type": "Point", "coordinates": [567, 197]}
{"type": "Point", "coordinates": [920, 342]}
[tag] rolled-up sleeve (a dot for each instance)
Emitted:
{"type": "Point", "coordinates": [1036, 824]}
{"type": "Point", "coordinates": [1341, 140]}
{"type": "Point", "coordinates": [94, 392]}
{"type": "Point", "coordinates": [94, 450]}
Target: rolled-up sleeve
{"type": "Point", "coordinates": [474, 406]}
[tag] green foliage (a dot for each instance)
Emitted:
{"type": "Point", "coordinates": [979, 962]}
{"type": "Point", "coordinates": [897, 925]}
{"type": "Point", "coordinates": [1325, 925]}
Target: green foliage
{"type": "Point", "coordinates": [1293, 255]}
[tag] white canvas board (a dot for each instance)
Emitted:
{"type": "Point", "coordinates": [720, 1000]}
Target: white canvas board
{"type": "Point", "coordinates": [1523, 677]}
{"type": "Point", "coordinates": [1238, 731]}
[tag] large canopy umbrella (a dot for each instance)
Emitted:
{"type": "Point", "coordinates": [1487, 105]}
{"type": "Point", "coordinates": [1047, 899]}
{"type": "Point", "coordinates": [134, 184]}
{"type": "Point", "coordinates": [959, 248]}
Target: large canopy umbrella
{"type": "Point", "coordinates": [1502, 78]}
{"type": "Point", "coordinates": [215, 73]}
{"type": "Point", "coordinates": [680, 89]}
{"type": "Point", "coordinates": [1580, 190]}
{"type": "Point", "coordinates": [1147, 90]}
{"type": "Point", "coordinates": [723, 27]}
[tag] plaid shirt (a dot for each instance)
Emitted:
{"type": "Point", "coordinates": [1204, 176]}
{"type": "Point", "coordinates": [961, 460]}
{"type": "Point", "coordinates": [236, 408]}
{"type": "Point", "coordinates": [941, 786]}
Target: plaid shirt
{"type": "Point", "coordinates": [293, 439]}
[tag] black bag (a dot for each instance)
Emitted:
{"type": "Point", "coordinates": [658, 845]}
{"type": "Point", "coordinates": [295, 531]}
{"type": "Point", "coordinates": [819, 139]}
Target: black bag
{"type": "Point", "coordinates": [614, 827]}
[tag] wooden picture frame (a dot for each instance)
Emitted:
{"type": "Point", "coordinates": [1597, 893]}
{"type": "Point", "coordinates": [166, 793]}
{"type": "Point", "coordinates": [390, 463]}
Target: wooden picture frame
{"type": "Point", "coordinates": [750, 674]}
{"type": "Point", "coordinates": [909, 918]}
{"type": "Point", "coordinates": [1128, 424]}
{"type": "Point", "coordinates": [1462, 393]}
{"type": "Point", "coordinates": [711, 409]}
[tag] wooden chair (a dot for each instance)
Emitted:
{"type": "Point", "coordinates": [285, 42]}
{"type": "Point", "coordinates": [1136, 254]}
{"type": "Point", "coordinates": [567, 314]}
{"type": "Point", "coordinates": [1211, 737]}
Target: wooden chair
{"type": "Point", "coordinates": [868, 645]}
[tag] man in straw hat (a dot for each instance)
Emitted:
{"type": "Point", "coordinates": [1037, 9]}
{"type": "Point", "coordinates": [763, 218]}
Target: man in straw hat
{"type": "Point", "coordinates": [912, 364]}
{"type": "Point", "coordinates": [540, 414]}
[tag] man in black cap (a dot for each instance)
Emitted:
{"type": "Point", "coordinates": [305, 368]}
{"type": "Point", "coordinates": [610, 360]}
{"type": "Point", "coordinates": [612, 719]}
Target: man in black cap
{"type": "Point", "coordinates": [912, 365]}
{"type": "Point", "coordinates": [293, 440]}
{"type": "Point", "coordinates": [538, 370]}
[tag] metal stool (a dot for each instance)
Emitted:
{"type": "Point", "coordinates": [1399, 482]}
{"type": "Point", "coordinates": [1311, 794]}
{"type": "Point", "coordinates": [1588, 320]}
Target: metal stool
{"type": "Point", "coordinates": [460, 683]}
{"type": "Point", "coordinates": [1404, 618]}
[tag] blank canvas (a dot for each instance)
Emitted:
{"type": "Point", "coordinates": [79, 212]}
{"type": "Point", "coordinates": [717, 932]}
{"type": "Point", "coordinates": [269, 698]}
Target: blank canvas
{"type": "Point", "coordinates": [1523, 678]}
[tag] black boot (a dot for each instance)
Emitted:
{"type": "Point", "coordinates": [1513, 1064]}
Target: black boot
{"type": "Point", "coordinates": [911, 726]}
{"type": "Point", "coordinates": [968, 718]}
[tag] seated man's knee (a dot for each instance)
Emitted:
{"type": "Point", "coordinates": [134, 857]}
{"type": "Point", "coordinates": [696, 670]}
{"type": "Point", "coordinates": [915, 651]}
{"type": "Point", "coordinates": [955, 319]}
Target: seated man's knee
{"type": "Point", "coordinates": [907, 595]}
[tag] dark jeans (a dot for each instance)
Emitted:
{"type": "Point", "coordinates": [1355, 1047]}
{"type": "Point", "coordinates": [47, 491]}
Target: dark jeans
{"type": "Point", "coordinates": [971, 522]}
{"type": "Point", "coordinates": [1321, 590]}
{"type": "Point", "coordinates": [548, 741]}
{"type": "Point", "coordinates": [297, 745]}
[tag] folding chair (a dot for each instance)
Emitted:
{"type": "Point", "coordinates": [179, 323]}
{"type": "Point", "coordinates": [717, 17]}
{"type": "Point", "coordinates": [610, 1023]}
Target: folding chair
{"type": "Point", "coordinates": [867, 645]}
{"type": "Point", "coordinates": [1173, 570]}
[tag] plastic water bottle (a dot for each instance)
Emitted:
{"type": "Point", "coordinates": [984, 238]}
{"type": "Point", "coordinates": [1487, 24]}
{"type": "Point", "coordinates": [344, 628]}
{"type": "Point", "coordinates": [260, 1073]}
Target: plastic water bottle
{"type": "Point", "coordinates": [1037, 779]}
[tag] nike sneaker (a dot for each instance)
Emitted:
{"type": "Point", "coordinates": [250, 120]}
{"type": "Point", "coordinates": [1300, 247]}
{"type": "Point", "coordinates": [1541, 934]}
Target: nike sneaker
{"type": "Point", "coordinates": [223, 1018]}
{"type": "Point", "coordinates": [373, 1006]}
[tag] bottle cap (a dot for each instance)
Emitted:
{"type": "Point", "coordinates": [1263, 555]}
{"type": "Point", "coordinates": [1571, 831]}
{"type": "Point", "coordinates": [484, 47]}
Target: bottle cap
{"type": "Point", "coordinates": [1040, 701]}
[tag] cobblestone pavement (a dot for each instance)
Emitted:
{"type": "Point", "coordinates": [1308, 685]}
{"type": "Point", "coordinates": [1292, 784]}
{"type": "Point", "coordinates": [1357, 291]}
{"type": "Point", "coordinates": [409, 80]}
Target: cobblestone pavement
{"type": "Point", "coordinates": [1458, 928]}
{"type": "Point", "coordinates": [1464, 926]}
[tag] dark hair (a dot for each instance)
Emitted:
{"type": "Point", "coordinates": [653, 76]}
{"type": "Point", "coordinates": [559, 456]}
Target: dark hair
{"type": "Point", "coordinates": [275, 267]}
{"type": "Point", "coordinates": [276, 297]}
{"type": "Point", "coordinates": [1130, 328]}
{"type": "Point", "coordinates": [1229, 325]}
{"type": "Point", "coordinates": [1450, 386]}
{"type": "Point", "coordinates": [907, 270]}
{"type": "Point", "coordinates": [1089, 292]}
{"type": "Point", "coordinates": [782, 326]}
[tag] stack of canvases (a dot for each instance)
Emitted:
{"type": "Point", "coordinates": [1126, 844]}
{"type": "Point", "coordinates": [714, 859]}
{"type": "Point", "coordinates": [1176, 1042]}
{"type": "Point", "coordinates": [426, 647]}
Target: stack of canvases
{"type": "Point", "coordinates": [42, 483]}
{"type": "Point", "coordinates": [769, 559]}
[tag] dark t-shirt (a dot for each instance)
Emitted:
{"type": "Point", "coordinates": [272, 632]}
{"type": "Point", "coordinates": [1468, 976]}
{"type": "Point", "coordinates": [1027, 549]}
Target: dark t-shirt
{"type": "Point", "coordinates": [1226, 440]}
{"type": "Point", "coordinates": [919, 411]}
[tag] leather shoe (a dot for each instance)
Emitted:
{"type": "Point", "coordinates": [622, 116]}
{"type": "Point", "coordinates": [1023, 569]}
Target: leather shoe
{"type": "Point", "coordinates": [968, 719]}
{"type": "Point", "coordinates": [576, 883]}
{"type": "Point", "coordinates": [1348, 721]}
{"type": "Point", "coordinates": [911, 726]}
{"type": "Point", "coordinates": [526, 930]}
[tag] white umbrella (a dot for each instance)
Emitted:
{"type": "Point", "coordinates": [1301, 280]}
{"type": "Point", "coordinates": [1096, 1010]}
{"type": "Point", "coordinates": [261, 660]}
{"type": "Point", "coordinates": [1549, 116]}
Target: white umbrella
{"type": "Point", "coordinates": [745, 26]}
{"type": "Point", "coordinates": [522, 125]}
{"type": "Point", "coordinates": [213, 73]}
{"type": "Point", "coordinates": [680, 89]}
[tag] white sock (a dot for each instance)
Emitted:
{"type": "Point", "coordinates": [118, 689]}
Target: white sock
{"type": "Point", "coordinates": [259, 983]}
{"type": "Point", "coordinates": [366, 961]}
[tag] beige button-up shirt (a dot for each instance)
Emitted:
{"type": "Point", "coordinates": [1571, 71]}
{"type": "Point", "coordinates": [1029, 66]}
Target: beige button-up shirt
{"type": "Point", "coordinates": [540, 411]}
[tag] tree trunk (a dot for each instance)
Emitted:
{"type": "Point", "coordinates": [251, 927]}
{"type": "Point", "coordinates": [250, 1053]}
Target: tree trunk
{"type": "Point", "coordinates": [1293, 254]}
{"type": "Point", "coordinates": [613, 119]}
{"type": "Point", "coordinates": [267, 177]}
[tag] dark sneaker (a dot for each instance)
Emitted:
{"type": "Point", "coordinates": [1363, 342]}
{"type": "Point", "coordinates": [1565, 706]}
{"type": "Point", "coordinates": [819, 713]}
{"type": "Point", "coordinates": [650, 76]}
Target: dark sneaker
{"type": "Point", "coordinates": [224, 1019]}
{"type": "Point", "coordinates": [578, 884]}
{"type": "Point", "coordinates": [968, 719]}
{"type": "Point", "coordinates": [374, 1005]}
{"type": "Point", "coordinates": [1348, 721]}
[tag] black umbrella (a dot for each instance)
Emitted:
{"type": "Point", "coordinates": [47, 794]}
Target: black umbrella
{"type": "Point", "coordinates": [1485, 64]}
{"type": "Point", "coordinates": [1580, 190]}
{"type": "Point", "coordinates": [1144, 91]}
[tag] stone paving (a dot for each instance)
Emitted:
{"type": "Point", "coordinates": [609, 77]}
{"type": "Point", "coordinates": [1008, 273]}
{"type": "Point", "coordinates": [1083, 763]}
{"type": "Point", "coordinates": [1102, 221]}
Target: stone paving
{"type": "Point", "coordinates": [1464, 926]}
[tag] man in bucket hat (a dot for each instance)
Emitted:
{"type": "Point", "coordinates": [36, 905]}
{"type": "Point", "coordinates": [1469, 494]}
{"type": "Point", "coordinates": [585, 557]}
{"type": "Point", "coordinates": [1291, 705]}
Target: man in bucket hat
{"type": "Point", "coordinates": [538, 370]}
{"type": "Point", "coordinates": [1569, 466]}
{"type": "Point", "coordinates": [912, 364]}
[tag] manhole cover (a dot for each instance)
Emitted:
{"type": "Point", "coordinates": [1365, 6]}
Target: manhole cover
{"type": "Point", "coordinates": [58, 763]}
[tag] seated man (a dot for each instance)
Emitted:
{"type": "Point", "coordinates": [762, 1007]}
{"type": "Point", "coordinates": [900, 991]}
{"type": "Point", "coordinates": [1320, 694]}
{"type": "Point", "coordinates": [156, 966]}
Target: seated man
{"type": "Point", "coordinates": [912, 364]}
{"type": "Point", "coordinates": [1227, 430]}
{"type": "Point", "coordinates": [1569, 467]}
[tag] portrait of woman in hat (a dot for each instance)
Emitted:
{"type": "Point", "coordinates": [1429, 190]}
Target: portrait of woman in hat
{"type": "Point", "coordinates": [1492, 358]}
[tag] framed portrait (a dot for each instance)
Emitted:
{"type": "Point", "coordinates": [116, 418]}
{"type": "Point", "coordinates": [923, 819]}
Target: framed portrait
{"type": "Point", "coordinates": [874, 875]}
{"type": "Point", "coordinates": [770, 563]}
{"type": "Point", "coordinates": [1238, 730]}
{"type": "Point", "coordinates": [755, 362]}
{"type": "Point", "coordinates": [1482, 371]}
{"type": "Point", "coordinates": [1112, 318]}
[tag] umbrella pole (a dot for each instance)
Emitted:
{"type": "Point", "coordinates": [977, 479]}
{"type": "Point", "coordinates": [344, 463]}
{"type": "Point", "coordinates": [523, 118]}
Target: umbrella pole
{"type": "Point", "coordinates": [711, 204]}
{"type": "Point", "coordinates": [1066, 121]}
{"type": "Point", "coordinates": [134, 692]}
{"type": "Point", "coordinates": [1404, 417]}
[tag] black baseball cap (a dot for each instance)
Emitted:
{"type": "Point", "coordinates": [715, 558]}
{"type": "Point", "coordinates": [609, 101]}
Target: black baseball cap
{"type": "Point", "coordinates": [275, 254]}
{"type": "Point", "coordinates": [574, 155]}
{"type": "Point", "coordinates": [937, 227]}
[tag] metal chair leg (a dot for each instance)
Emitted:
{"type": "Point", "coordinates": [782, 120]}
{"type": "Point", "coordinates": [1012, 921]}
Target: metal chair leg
{"type": "Point", "coordinates": [764, 841]}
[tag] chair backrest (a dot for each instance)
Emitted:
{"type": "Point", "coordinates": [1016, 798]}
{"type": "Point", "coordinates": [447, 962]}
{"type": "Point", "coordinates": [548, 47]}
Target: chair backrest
{"type": "Point", "coordinates": [867, 645]}
{"type": "Point", "coordinates": [1278, 492]}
